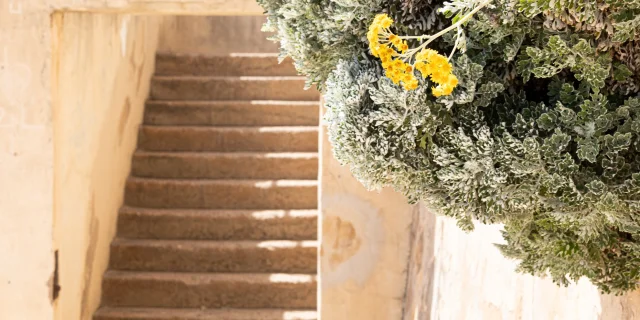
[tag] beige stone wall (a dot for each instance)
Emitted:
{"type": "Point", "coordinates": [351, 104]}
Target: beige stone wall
{"type": "Point", "coordinates": [196, 7]}
{"type": "Point", "coordinates": [214, 35]}
{"type": "Point", "coordinates": [461, 276]}
{"type": "Point", "coordinates": [416, 305]}
{"type": "Point", "coordinates": [26, 164]}
{"type": "Point", "coordinates": [27, 142]}
{"type": "Point", "coordinates": [365, 246]}
{"type": "Point", "coordinates": [103, 66]}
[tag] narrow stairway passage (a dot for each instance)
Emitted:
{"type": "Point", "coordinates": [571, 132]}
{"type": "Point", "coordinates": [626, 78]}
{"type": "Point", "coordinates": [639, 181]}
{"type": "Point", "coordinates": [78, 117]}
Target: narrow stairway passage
{"type": "Point", "coordinates": [220, 215]}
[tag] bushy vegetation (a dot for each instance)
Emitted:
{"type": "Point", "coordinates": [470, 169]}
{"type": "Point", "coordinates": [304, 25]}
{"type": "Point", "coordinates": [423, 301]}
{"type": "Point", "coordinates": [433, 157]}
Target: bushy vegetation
{"type": "Point", "coordinates": [541, 134]}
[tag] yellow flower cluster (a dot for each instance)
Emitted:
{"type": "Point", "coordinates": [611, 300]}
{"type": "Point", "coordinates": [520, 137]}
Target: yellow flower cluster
{"type": "Point", "coordinates": [382, 43]}
{"type": "Point", "coordinates": [393, 52]}
{"type": "Point", "coordinates": [432, 64]}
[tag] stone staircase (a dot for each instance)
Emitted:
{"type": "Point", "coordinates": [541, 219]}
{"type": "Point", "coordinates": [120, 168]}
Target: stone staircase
{"type": "Point", "coordinates": [220, 213]}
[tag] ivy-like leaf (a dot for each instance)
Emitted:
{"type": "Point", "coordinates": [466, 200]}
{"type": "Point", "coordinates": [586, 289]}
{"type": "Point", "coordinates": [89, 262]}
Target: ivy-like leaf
{"type": "Point", "coordinates": [486, 93]}
{"type": "Point", "coordinates": [588, 149]}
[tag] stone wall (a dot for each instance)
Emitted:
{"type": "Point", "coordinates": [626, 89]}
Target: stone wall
{"type": "Point", "coordinates": [27, 66]}
{"type": "Point", "coordinates": [455, 275]}
{"type": "Point", "coordinates": [421, 263]}
{"type": "Point", "coordinates": [214, 35]}
{"type": "Point", "coordinates": [104, 63]}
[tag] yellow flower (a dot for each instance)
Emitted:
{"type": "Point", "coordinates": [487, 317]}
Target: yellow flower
{"type": "Point", "coordinates": [438, 91]}
{"type": "Point", "coordinates": [392, 53]}
{"type": "Point", "coordinates": [448, 90]}
{"type": "Point", "coordinates": [445, 87]}
{"type": "Point", "coordinates": [383, 20]}
{"type": "Point", "coordinates": [411, 85]}
{"type": "Point", "coordinates": [426, 54]}
{"type": "Point", "coordinates": [422, 67]}
{"type": "Point", "coordinates": [394, 75]}
{"type": "Point", "coordinates": [452, 81]}
{"type": "Point", "coordinates": [426, 71]}
{"type": "Point", "coordinates": [442, 90]}
{"type": "Point", "coordinates": [438, 59]}
{"type": "Point", "coordinates": [375, 50]}
{"type": "Point", "coordinates": [388, 73]}
{"type": "Point", "coordinates": [386, 22]}
{"type": "Point", "coordinates": [438, 76]}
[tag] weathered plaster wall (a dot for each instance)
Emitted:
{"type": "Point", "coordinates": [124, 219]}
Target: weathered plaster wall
{"type": "Point", "coordinates": [27, 141]}
{"type": "Point", "coordinates": [26, 163]}
{"type": "Point", "coordinates": [103, 64]}
{"type": "Point", "coordinates": [463, 276]}
{"type": "Point", "coordinates": [365, 246]}
{"type": "Point", "coordinates": [214, 35]}
{"type": "Point", "coordinates": [195, 7]}
{"type": "Point", "coordinates": [421, 264]}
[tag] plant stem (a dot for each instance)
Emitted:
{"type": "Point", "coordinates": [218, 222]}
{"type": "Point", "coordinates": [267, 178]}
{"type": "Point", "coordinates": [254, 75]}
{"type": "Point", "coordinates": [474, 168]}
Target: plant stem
{"type": "Point", "coordinates": [464, 19]}
{"type": "Point", "coordinates": [455, 44]}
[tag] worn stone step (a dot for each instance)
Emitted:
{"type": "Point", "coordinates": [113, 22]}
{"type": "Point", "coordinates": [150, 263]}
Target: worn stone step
{"type": "Point", "coordinates": [208, 290]}
{"type": "Point", "coordinates": [218, 224]}
{"type": "Point", "coordinates": [276, 256]}
{"type": "Point", "coordinates": [203, 314]}
{"type": "Point", "coordinates": [234, 64]}
{"type": "Point", "coordinates": [225, 165]}
{"type": "Point", "coordinates": [221, 194]}
{"type": "Point", "coordinates": [233, 113]}
{"type": "Point", "coordinates": [231, 88]}
{"type": "Point", "coordinates": [228, 139]}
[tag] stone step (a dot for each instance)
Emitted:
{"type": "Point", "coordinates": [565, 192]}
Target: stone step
{"type": "Point", "coordinates": [233, 113]}
{"type": "Point", "coordinates": [218, 224]}
{"type": "Point", "coordinates": [221, 194]}
{"type": "Point", "coordinates": [202, 314]}
{"type": "Point", "coordinates": [276, 256]}
{"type": "Point", "coordinates": [234, 64]}
{"type": "Point", "coordinates": [228, 139]}
{"type": "Point", "coordinates": [231, 88]}
{"type": "Point", "coordinates": [224, 165]}
{"type": "Point", "coordinates": [208, 290]}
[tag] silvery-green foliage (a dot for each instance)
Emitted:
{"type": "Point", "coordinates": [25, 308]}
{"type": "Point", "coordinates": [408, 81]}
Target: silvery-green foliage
{"type": "Point", "coordinates": [542, 133]}
{"type": "Point", "coordinates": [612, 24]}
{"type": "Point", "coordinates": [416, 17]}
{"type": "Point", "coordinates": [318, 33]}
{"type": "Point", "coordinates": [380, 130]}
{"type": "Point", "coordinates": [581, 218]}
{"type": "Point", "coordinates": [617, 18]}
{"type": "Point", "coordinates": [556, 55]}
{"type": "Point", "coordinates": [470, 89]}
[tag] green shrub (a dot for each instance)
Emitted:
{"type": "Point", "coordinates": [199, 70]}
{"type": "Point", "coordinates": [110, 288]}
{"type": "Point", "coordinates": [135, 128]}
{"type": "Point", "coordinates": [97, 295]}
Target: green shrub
{"type": "Point", "coordinates": [542, 133]}
{"type": "Point", "coordinates": [317, 34]}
